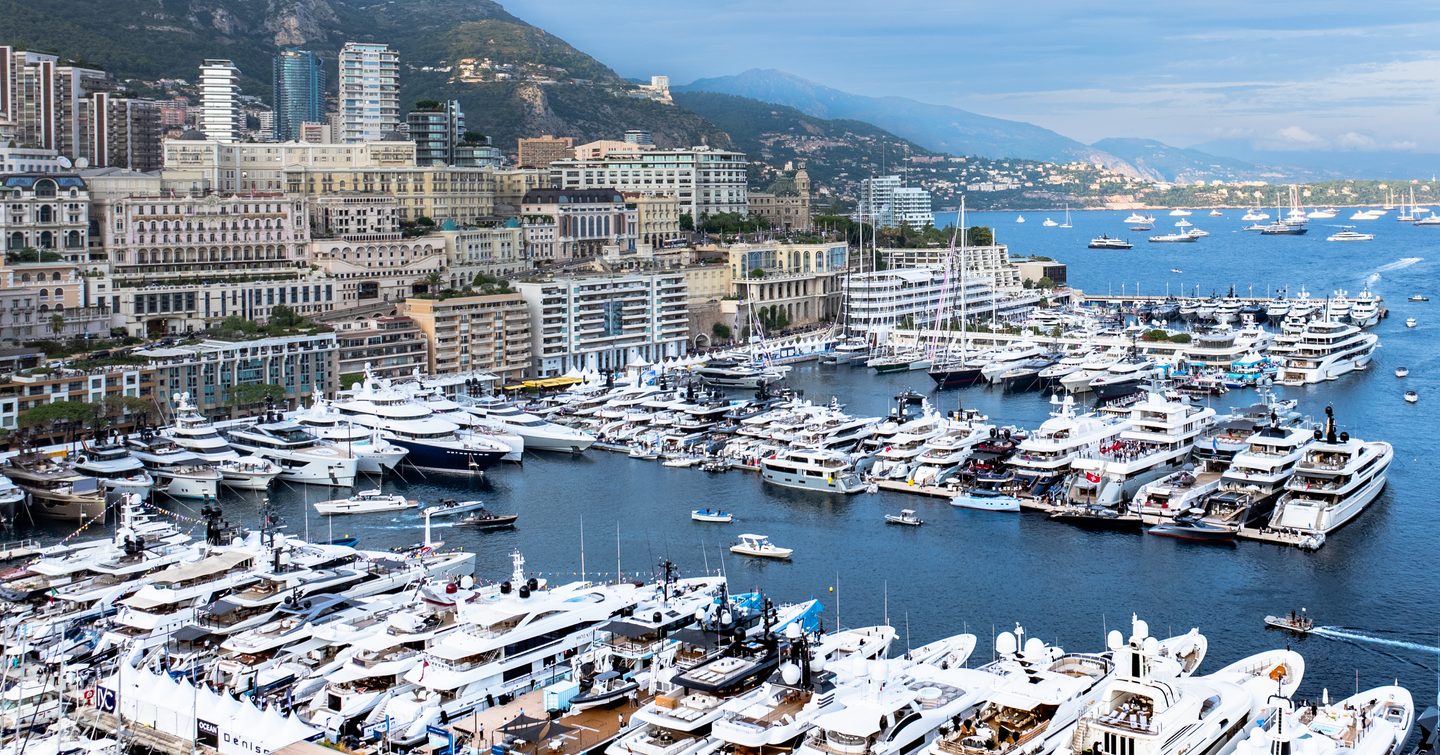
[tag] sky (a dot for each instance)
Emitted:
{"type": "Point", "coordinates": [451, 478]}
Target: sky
{"type": "Point", "coordinates": [1317, 76]}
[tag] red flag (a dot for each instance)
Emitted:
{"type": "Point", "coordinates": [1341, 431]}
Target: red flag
{"type": "Point", "coordinates": [1092, 477]}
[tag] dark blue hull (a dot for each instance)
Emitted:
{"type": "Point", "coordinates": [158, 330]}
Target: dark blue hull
{"type": "Point", "coordinates": [442, 459]}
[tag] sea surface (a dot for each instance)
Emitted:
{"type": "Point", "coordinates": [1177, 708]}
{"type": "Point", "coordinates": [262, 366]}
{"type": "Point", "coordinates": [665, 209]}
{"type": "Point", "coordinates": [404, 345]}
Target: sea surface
{"type": "Point", "coordinates": [1374, 585]}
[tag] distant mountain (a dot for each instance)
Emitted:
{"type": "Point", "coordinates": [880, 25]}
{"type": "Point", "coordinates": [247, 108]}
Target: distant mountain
{"type": "Point", "coordinates": [936, 127]}
{"type": "Point", "coordinates": [1162, 162]}
{"type": "Point", "coordinates": [838, 152]}
{"type": "Point", "coordinates": [1332, 164]}
{"type": "Point", "coordinates": [555, 88]}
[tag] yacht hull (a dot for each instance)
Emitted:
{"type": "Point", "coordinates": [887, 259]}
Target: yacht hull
{"type": "Point", "coordinates": [958, 377]}
{"type": "Point", "coordinates": [444, 459]}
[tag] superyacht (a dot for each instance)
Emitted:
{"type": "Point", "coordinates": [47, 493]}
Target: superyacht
{"type": "Point", "coordinates": [1335, 480]}
{"type": "Point", "coordinates": [539, 434]}
{"type": "Point", "coordinates": [1323, 350]}
{"type": "Point", "coordinates": [373, 454]}
{"type": "Point", "coordinates": [194, 433]}
{"type": "Point", "coordinates": [433, 443]}
{"type": "Point", "coordinates": [301, 456]}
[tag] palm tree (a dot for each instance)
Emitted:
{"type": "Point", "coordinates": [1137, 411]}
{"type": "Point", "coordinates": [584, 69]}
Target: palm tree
{"type": "Point", "coordinates": [57, 324]}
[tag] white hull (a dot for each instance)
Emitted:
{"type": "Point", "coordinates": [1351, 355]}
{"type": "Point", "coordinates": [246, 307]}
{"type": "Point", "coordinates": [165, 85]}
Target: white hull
{"type": "Point", "coordinates": [1311, 518]}
{"type": "Point", "coordinates": [1330, 369]}
{"type": "Point", "coordinates": [190, 487]}
{"type": "Point", "coordinates": [844, 484]}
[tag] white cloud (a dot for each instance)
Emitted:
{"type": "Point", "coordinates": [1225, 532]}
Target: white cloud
{"type": "Point", "coordinates": [1298, 137]}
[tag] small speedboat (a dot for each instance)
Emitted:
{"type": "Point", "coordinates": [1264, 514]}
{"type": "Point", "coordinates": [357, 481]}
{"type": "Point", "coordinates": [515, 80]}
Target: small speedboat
{"type": "Point", "coordinates": [760, 546]}
{"type": "Point", "coordinates": [485, 519]}
{"type": "Point", "coordinates": [681, 462]}
{"type": "Point", "coordinates": [714, 466]}
{"type": "Point", "coordinates": [450, 506]}
{"type": "Point", "coordinates": [1176, 270]}
{"type": "Point", "coordinates": [643, 453]}
{"type": "Point", "coordinates": [607, 688]}
{"type": "Point", "coordinates": [712, 515]}
{"type": "Point", "coordinates": [1419, 297]}
{"type": "Point", "coordinates": [1411, 397]}
{"type": "Point", "coordinates": [906, 517]}
{"type": "Point", "coordinates": [1299, 623]}
{"type": "Point", "coordinates": [1402, 371]}
{"type": "Point", "coordinates": [1189, 528]}
{"type": "Point", "coordinates": [985, 499]}
{"type": "Point", "coordinates": [366, 502]}
{"type": "Point", "coordinates": [1411, 322]}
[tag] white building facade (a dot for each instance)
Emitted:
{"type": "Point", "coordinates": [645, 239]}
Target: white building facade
{"type": "Point", "coordinates": [369, 85]}
{"type": "Point", "coordinates": [887, 202]}
{"type": "Point", "coordinates": [605, 322]}
{"type": "Point", "coordinates": [706, 181]}
{"type": "Point", "coordinates": [220, 116]}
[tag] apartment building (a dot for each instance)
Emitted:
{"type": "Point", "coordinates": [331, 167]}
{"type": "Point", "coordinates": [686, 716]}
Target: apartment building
{"type": "Point", "coordinates": [705, 180]}
{"type": "Point", "coordinates": [489, 333]}
{"type": "Point", "coordinates": [604, 322]}
{"type": "Point", "coordinates": [210, 369]}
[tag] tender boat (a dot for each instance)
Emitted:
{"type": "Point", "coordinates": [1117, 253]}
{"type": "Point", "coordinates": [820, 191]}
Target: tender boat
{"type": "Point", "coordinates": [1412, 396]}
{"type": "Point", "coordinates": [1299, 623]}
{"type": "Point", "coordinates": [1411, 322]}
{"type": "Point", "coordinates": [1419, 297]}
{"type": "Point", "coordinates": [712, 515]}
{"type": "Point", "coordinates": [1105, 242]}
{"type": "Point", "coordinates": [760, 546]}
{"type": "Point", "coordinates": [1402, 371]}
{"type": "Point", "coordinates": [485, 519]}
{"type": "Point", "coordinates": [906, 517]}
{"type": "Point", "coordinates": [366, 502]}
{"type": "Point", "coordinates": [985, 499]}
{"type": "Point", "coordinates": [450, 507]}
{"type": "Point", "coordinates": [1350, 236]}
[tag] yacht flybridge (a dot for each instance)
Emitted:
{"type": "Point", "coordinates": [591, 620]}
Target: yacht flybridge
{"type": "Point", "coordinates": [194, 433]}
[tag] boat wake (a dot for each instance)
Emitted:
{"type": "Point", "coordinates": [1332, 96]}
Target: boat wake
{"type": "Point", "coordinates": [1397, 264]}
{"type": "Point", "coordinates": [1340, 633]}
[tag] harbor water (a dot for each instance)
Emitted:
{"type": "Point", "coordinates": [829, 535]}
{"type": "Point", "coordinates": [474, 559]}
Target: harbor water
{"type": "Point", "coordinates": [1374, 585]}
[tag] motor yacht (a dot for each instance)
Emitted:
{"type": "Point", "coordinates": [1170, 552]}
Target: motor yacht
{"type": "Point", "coordinates": [301, 456]}
{"type": "Point", "coordinates": [848, 352]}
{"type": "Point", "coordinates": [1123, 378]}
{"type": "Point", "coordinates": [1043, 459]}
{"type": "Point", "coordinates": [177, 472]}
{"type": "Point", "coordinates": [1335, 480]}
{"type": "Point", "coordinates": [539, 434]}
{"type": "Point", "coordinates": [1105, 242]}
{"type": "Point", "coordinates": [118, 472]}
{"type": "Point", "coordinates": [1147, 709]}
{"type": "Point", "coordinates": [506, 641]}
{"type": "Point", "coordinates": [944, 455]}
{"type": "Point", "coordinates": [433, 443]}
{"type": "Point", "coordinates": [1377, 721]}
{"type": "Point", "coordinates": [194, 433]}
{"type": "Point", "coordinates": [1157, 442]}
{"type": "Point", "coordinates": [373, 454]}
{"type": "Point", "coordinates": [366, 502]}
{"type": "Point", "coordinates": [735, 372]}
{"type": "Point", "coordinates": [812, 469]}
{"type": "Point", "coordinates": [55, 489]}
{"type": "Point", "coordinates": [1324, 350]}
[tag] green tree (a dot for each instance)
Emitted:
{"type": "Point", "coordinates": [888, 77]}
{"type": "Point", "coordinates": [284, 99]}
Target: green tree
{"type": "Point", "coordinates": [351, 378]}
{"type": "Point", "coordinates": [979, 235]}
{"type": "Point", "coordinates": [58, 412]}
{"type": "Point", "coordinates": [57, 324]}
{"type": "Point", "coordinates": [687, 222]}
{"type": "Point", "coordinates": [282, 316]}
{"type": "Point", "coordinates": [757, 273]}
{"type": "Point", "coordinates": [721, 331]}
{"type": "Point", "coordinates": [472, 137]}
{"type": "Point", "coordinates": [425, 221]}
{"type": "Point", "coordinates": [1045, 283]}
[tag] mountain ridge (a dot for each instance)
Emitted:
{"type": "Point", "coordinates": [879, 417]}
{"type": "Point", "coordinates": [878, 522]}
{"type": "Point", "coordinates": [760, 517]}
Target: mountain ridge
{"type": "Point", "coordinates": [941, 128]}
